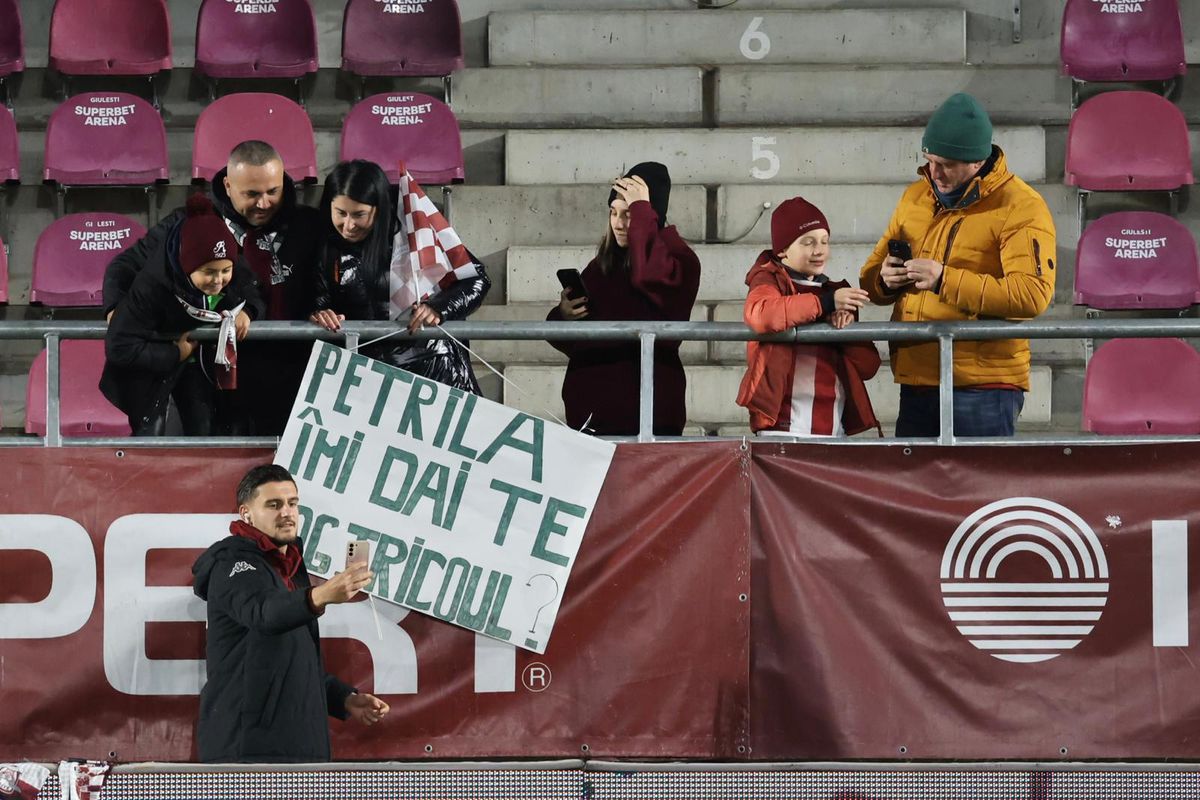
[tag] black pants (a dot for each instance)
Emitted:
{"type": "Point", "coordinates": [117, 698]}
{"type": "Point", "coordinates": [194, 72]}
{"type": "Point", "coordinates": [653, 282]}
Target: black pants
{"type": "Point", "coordinates": [204, 410]}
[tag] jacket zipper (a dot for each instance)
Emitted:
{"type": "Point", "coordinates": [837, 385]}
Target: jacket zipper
{"type": "Point", "coordinates": [950, 241]}
{"type": "Point", "coordinates": [1037, 256]}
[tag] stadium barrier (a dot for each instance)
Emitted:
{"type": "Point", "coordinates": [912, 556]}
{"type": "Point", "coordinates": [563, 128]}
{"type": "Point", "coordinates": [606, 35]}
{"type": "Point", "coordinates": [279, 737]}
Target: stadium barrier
{"type": "Point", "coordinates": [646, 334]}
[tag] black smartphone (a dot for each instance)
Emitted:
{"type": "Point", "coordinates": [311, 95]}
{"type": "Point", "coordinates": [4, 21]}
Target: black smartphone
{"type": "Point", "coordinates": [572, 281]}
{"type": "Point", "coordinates": [900, 249]}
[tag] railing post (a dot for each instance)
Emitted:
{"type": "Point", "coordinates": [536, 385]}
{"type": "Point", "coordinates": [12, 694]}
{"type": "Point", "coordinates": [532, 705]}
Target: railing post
{"type": "Point", "coordinates": [646, 389]}
{"type": "Point", "coordinates": [53, 405]}
{"type": "Point", "coordinates": [946, 388]}
{"type": "Point", "coordinates": [352, 342]}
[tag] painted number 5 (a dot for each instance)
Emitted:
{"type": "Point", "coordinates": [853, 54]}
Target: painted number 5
{"type": "Point", "coordinates": [760, 151]}
{"type": "Point", "coordinates": [755, 44]}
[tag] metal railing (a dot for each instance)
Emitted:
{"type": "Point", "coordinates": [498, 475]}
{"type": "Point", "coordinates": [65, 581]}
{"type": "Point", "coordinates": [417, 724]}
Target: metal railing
{"type": "Point", "coordinates": [646, 334]}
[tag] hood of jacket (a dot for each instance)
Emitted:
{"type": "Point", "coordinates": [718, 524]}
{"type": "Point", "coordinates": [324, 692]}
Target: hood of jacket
{"type": "Point", "coordinates": [224, 205]}
{"type": "Point", "coordinates": [768, 263]}
{"type": "Point", "coordinates": [991, 176]}
{"type": "Point", "coordinates": [229, 547]}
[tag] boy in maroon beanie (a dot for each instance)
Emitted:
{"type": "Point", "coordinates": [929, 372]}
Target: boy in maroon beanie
{"type": "Point", "coordinates": [810, 389]}
{"type": "Point", "coordinates": [150, 358]}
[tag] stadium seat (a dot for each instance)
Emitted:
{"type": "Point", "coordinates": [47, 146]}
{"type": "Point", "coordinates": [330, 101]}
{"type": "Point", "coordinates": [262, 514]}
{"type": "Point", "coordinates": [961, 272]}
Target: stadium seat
{"type": "Point", "coordinates": [72, 254]}
{"type": "Point", "coordinates": [406, 37]}
{"type": "Point", "coordinates": [12, 42]}
{"type": "Point", "coordinates": [1136, 259]}
{"type": "Point", "coordinates": [110, 37]}
{"type": "Point", "coordinates": [272, 118]}
{"type": "Point", "coordinates": [414, 128]}
{"type": "Point", "coordinates": [105, 140]}
{"type": "Point", "coordinates": [1099, 44]}
{"type": "Point", "coordinates": [1142, 386]}
{"type": "Point", "coordinates": [84, 410]}
{"type": "Point", "coordinates": [1128, 141]}
{"type": "Point", "coordinates": [275, 39]}
{"type": "Point", "coordinates": [10, 158]}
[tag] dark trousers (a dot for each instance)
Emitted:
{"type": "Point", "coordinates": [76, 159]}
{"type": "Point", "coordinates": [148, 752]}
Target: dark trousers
{"type": "Point", "coordinates": [977, 412]}
{"type": "Point", "coordinates": [203, 409]}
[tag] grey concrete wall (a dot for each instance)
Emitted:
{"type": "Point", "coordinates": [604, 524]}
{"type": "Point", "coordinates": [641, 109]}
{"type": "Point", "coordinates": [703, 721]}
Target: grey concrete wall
{"type": "Point", "coordinates": [733, 36]}
{"type": "Point", "coordinates": [818, 155]}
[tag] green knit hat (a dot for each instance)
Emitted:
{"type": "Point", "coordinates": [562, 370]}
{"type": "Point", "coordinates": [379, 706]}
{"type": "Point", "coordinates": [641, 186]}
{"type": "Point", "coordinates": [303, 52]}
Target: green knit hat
{"type": "Point", "coordinates": [959, 129]}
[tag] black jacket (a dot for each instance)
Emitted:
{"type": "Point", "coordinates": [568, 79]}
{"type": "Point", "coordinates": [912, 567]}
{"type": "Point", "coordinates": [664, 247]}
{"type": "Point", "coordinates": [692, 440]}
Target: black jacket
{"type": "Point", "coordinates": [268, 696]}
{"type": "Point", "coordinates": [299, 236]}
{"type": "Point", "coordinates": [340, 286]}
{"type": "Point", "coordinates": [141, 357]}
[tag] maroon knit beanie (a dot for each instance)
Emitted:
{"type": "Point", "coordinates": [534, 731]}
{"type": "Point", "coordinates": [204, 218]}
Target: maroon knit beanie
{"type": "Point", "coordinates": [793, 219]}
{"type": "Point", "coordinates": [205, 236]}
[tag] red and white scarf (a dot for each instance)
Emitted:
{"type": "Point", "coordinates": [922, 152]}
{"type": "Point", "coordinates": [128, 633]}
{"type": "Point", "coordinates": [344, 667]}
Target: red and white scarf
{"type": "Point", "coordinates": [427, 255]}
{"type": "Point", "coordinates": [226, 357]}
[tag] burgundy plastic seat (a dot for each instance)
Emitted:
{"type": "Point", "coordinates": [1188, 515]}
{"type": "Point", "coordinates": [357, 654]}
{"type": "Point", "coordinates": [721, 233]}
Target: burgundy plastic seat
{"type": "Point", "coordinates": [110, 37]}
{"type": "Point", "coordinates": [402, 37]}
{"type": "Point", "coordinates": [273, 118]}
{"type": "Point", "coordinates": [264, 39]}
{"type": "Point", "coordinates": [1143, 41]}
{"type": "Point", "coordinates": [1128, 141]}
{"type": "Point", "coordinates": [102, 138]}
{"type": "Point", "coordinates": [1136, 259]}
{"type": "Point", "coordinates": [12, 41]}
{"type": "Point", "coordinates": [84, 411]}
{"type": "Point", "coordinates": [414, 128]}
{"type": "Point", "coordinates": [1140, 386]}
{"type": "Point", "coordinates": [10, 156]}
{"type": "Point", "coordinates": [72, 254]}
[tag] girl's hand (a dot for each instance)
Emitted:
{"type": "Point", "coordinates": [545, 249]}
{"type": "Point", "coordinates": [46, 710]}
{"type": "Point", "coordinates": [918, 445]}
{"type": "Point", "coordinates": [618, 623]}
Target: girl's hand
{"type": "Point", "coordinates": [572, 309]}
{"type": "Point", "coordinates": [423, 315]}
{"type": "Point", "coordinates": [328, 319]}
{"type": "Point", "coordinates": [632, 189]}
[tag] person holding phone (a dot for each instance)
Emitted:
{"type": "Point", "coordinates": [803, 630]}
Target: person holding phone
{"type": "Point", "coordinates": [810, 389]}
{"type": "Point", "coordinates": [268, 696]}
{"type": "Point", "coordinates": [984, 247]}
{"type": "Point", "coordinates": [643, 270]}
{"type": "Point", "coordinates": [352, 280]}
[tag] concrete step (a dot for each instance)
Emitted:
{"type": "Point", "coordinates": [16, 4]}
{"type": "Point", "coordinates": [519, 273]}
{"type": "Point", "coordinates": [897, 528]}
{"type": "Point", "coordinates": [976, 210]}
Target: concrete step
{"type": "Point", "coordinates": [722, 277]}
{"type": "Point", "coordinates": [519, 97]}
{"type": "Point", "coordinates": [843, 36]}
{"type": "Point", "coordinates": [754, 155]}
{"type": "Point", "coordinates": [711, 391]}
{"type": "Point", "coordinates": [539, 352]}
{"type": "Point", "coordinates": [885, 94]}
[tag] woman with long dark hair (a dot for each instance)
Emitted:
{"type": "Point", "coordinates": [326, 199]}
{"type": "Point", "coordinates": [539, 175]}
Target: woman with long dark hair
{"type": "Point", "coordinates": [354, 281]}
{"type": "Point", "coordinates": [643, 270]}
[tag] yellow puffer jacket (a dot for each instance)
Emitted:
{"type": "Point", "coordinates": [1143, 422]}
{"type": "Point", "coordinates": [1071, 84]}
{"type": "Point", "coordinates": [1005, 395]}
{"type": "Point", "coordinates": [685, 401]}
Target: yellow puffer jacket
{"type": "Point", "coordinates": [997, 247]}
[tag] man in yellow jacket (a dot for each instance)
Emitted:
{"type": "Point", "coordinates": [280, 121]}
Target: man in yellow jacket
{"type": "Point", "coordinates": [983, 244]}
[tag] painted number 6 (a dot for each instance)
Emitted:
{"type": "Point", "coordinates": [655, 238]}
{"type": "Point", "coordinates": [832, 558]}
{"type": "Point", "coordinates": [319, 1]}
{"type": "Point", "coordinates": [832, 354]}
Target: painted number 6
{"type": "Point", "coordinates": [760, 151]}
{"type": "Point", "coordinates": [755, 44]}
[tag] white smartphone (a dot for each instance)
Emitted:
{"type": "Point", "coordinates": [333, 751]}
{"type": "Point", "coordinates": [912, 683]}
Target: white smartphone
{"type": "Point", "coordinates": [358, 551]}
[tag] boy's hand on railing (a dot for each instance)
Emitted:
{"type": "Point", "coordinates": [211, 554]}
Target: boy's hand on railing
{"type": "Point", "coordinates": [241, 325]}
{"type": "Point", "coordinates": [186, 346]}
{"type": "Point", "coordinates": [840, 319]}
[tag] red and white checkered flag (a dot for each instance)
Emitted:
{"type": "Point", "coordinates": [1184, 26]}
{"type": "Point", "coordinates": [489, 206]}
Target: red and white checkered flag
{"type": "Point", "coordinates": [22, 781]}
{"type": "Point", "coordinates": [82, 780]}
{"type": "Point", "coordinates": [427, 255]}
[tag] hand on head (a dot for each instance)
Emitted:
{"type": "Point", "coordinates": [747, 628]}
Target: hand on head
{"type": "Point", "coordinates": [632, 189]}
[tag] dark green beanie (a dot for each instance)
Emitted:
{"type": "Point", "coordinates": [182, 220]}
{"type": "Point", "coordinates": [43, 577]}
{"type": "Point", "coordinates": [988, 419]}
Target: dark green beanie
{"type": "Point", "coordinates": [960, 130]}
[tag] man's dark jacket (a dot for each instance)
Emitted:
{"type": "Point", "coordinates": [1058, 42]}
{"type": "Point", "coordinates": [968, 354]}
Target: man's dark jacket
{"type": "Point", "coordinates": [268, 696]}
{"type": "Point", "coordinates": [299, 237]}
{"type": "Point", "coordinates": [269, 373]}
